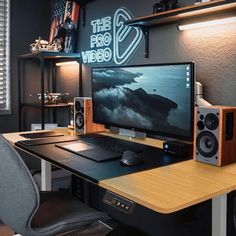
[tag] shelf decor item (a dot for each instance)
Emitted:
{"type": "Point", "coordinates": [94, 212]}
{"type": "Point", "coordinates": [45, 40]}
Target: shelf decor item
{"type": "Point", "coordinates": [48, 126]}
{"type": "Point", "coordinates": [41, 45]}
{"type": "Point", "coordinates": [164, 5]}
{"type": "Point", "coordinates": [64, 22]}
{"type": "Point", "coordinates": [201, 1]}
{"type": "Point", "coordinates": [53, 98]}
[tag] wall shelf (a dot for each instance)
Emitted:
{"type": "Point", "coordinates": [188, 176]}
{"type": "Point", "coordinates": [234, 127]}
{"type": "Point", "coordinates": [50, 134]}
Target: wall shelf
{"type": "Point", "coordinates": [180, 14]}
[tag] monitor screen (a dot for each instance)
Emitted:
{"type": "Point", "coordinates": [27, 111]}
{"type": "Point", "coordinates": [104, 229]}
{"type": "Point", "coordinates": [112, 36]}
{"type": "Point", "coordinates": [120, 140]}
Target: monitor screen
{"type": "Point", "coordinates": [156, 99]}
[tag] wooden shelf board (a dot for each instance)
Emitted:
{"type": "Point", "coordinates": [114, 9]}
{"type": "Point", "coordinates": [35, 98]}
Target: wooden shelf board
{"type": "Point", "coordinates": [50, 55]}
{"type": "Point", "coordinates": [38, 105]}
{"type": "Point", "coordinates": [203, 9]}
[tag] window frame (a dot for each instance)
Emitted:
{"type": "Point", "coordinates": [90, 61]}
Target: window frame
{"type": "Point", "coordinates": [7, 109]}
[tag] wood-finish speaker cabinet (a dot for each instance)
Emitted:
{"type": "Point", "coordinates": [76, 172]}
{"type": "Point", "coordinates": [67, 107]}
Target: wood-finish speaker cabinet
{"type": "Point", "coordinates": [215, 135]}
{"type": "Point", "coordinates": [83, 116]}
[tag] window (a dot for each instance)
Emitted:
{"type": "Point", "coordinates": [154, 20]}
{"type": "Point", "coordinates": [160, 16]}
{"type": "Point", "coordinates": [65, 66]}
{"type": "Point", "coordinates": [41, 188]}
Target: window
{"type": "Point", "coordinates": [4, 58]}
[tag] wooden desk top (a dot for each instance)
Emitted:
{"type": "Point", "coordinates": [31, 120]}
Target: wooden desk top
{"type": "Point", "coordinates": [174, 187]}
{"type": "Point", "coordinates": [170, 188]}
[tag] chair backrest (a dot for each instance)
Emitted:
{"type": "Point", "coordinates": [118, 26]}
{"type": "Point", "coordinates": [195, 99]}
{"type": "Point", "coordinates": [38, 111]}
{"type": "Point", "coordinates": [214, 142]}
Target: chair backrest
{"type": "Point", "coordinates": [19, 196]}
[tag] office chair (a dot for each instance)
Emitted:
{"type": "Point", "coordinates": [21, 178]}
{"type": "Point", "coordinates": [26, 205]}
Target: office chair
{"type": "Point", "coordinates": [30, 212]}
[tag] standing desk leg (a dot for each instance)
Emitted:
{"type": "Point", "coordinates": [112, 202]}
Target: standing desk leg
{"type": "Point", "coordinates": [219, 215]}
{"type": "Point", "coordinates": [46, 176]}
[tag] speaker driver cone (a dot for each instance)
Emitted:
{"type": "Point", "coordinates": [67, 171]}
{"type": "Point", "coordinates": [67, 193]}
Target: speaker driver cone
{"type": "Point", "coordinates": [207, 144]}
{"type": "Point", "coordinates": [211, 121]}
{"type": "Point", "coordinates": [79, 120]}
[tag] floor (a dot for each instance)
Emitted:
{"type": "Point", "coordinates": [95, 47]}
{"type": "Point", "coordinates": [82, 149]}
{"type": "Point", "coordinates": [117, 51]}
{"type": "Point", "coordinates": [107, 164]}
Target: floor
{"type": "Point", "coordinates": [96, 229]}
{"type": "Point", "coordinates": [5, 231]}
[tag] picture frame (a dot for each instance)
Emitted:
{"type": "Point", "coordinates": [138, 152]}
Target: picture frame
{"type": "Point", "coordinates": [64, 24]}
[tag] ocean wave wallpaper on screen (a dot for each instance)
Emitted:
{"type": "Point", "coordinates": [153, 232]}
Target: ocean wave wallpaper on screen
{"type": "Point", "coordinates": [152, 98]}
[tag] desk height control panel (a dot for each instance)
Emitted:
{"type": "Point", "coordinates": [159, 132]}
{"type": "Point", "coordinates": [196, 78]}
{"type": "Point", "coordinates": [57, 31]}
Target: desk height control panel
{"type": "Point", "coordinates": [118, 202]}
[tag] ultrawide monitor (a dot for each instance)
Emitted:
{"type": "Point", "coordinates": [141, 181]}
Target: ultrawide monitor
{"type": "Point", "coordinates": [156, 99]}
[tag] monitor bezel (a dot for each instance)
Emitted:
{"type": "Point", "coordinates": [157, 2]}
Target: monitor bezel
{"type": "Point", "coordinates": [151, 132]}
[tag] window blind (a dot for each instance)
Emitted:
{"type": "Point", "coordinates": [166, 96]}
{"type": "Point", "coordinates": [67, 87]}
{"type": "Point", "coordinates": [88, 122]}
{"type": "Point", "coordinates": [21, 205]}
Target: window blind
{"type": "Point", "coordinates": [4, 56]}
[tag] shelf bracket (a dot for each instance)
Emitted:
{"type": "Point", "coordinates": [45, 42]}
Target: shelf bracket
{"type": "Point", "coordinates": [145, 31]}
{"type": "Point", "coordinates": [82, 4]}
{"type": "Point", "coordinates": [83, 9]}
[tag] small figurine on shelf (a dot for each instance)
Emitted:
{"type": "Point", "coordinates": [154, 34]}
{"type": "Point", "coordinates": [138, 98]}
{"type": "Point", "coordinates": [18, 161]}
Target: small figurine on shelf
{"type": "Point", "coordinates": [53, 98]}
{"type": "Point", "coordinates": [39, 45]}
{"type": "Point", "coordinates": [43, 45]}
{"type": "Point", "coordinates": [55, 46]}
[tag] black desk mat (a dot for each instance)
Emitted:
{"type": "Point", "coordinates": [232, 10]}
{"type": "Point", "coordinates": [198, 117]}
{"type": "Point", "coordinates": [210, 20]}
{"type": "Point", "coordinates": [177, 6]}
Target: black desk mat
{"type": "Point", "coordinates": [95, 171]}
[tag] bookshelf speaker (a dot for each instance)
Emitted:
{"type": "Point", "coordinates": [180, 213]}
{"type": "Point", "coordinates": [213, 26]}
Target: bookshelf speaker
{"type": "Point", "coordinates": [83, 116]}
{"type": "Point", "coordinates": [215, 135]}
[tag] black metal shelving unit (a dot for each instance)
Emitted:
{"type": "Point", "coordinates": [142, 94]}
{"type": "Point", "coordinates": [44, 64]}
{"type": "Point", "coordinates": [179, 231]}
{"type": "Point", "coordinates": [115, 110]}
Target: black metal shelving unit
{"type": "Point", "coordinates": [208, 9]}
{"type": "Point", "coordinates": [42, 58]}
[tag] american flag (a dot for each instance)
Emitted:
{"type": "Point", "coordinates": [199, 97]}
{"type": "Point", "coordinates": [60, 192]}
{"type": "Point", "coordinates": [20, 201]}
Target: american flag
{"type": "Point", "coordinates": [65, 14]}
{"type": "Point", "coordinates": [57, 17]}
{"type": "Point", "coordinates": [59, 8]}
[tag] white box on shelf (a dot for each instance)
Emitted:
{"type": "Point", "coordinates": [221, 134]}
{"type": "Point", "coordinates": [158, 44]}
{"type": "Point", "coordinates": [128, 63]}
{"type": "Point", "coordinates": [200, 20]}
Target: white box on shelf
{"type": "Point", "coordinates": [48, 126]}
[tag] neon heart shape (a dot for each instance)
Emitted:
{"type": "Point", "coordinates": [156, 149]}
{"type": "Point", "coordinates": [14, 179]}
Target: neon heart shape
{"type": "Point", "coordinates": [121, 33]}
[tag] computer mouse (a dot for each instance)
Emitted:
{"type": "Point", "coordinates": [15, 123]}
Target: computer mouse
{"type": "Point", "coordinates": [130, 158]}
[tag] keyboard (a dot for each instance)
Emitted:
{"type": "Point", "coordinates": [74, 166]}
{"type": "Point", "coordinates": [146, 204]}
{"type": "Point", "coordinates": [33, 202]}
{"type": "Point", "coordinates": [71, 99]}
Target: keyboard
{"type": "Point", "coordinates": [113, 144]}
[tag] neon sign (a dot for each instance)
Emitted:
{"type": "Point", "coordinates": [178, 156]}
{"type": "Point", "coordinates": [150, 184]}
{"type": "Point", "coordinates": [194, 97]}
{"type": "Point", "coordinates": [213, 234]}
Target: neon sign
{"type": "Point", "coordinates": [111, 39]}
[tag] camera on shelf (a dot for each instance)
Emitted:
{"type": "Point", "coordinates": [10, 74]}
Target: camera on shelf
{"type": "Point", "coordinates": [164, 5]}
{"type": "Point", "coordinates": [201, 1]}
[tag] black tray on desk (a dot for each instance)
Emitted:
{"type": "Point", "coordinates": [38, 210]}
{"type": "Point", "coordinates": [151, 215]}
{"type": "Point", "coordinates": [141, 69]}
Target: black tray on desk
{"type": "Point", "coordinates": [45, 134]}
{"type": "Point", "coordinates": [46, 140]}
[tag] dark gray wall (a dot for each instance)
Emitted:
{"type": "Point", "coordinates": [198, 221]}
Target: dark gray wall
{"type": "Point", "coordinates": [213, 49]}
{"type": "Point", "coordinates": [29, 20]}
{"type": "Point", "coordinates": [67, 82]}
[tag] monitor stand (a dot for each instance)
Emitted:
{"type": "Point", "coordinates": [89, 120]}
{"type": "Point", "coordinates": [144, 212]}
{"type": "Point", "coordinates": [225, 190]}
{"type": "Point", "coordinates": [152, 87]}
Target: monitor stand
{"type": "Point", "coordinates": [127, 132]}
